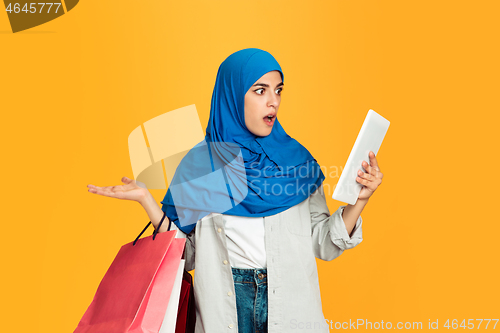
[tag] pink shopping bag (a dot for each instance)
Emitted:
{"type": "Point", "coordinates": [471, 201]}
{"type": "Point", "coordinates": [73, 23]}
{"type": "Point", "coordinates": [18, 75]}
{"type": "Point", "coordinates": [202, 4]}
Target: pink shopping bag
{"type": "Point", "coordinates": [134, 293]}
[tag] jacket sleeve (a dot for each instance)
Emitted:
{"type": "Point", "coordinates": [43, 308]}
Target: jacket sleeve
{"type": "Point", "coordinates": [189, 249]}
{"type": "Point", "coordinates": [328, 232]}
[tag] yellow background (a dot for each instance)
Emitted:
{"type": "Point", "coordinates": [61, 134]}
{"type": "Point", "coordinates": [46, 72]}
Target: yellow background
{"type": "Point", "coordinates": [74, 88]}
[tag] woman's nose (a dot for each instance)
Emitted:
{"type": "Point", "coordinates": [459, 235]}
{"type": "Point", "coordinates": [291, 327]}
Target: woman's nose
{"type": "Point", "coordinates": [273, 101]}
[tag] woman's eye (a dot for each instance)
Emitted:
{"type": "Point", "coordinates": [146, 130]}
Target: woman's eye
{"type": "Point", "coordinates": [260, 91]}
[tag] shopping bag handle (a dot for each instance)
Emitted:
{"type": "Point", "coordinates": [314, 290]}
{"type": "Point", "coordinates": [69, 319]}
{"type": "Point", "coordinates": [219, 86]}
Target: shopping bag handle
{"type": "Point", "coordinates": [156, 230]}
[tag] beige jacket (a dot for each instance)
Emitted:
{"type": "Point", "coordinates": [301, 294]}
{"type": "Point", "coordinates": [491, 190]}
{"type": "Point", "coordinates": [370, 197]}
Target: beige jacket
{"type": "Point", "coordinates": [293, 238]}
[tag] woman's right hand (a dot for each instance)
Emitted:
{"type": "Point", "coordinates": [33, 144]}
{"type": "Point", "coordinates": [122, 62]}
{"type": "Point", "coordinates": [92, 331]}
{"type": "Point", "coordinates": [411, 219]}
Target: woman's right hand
{"type": "Point", "coordinates": [129, 191]}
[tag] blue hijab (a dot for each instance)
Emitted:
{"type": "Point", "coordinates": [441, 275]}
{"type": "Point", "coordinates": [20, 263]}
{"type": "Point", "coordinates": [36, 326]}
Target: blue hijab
{"type": "Point", "coordinates": [232, 171]}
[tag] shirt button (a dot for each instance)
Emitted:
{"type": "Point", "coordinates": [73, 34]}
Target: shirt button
{"type": "Point", "coordinates": [230, 326]}
{"type": "Point", "coordinates": [225, 262]}
{"type": "Point", "coordinates": [219, 230]}
{"type": "Point", "coordinates": [229, 293]}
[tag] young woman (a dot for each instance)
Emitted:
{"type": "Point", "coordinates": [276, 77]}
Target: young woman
{"type": "Point", "coordinates": [249, 199]}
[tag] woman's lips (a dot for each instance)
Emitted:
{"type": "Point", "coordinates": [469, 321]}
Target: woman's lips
{"type": "Point", "coordinates": [269, 122]}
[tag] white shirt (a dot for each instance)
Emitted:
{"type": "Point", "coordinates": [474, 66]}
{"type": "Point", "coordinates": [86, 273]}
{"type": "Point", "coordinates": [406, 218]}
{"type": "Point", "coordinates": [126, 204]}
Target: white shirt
{"type": "Point", "coordinates": [245, 241]}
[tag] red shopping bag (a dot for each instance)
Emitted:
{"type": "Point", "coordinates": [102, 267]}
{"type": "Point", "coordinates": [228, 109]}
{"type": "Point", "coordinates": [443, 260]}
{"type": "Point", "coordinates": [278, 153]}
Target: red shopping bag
{"type": "Point", "coordinates": [133, 295]}
{"type": "Point", "coordinates": [186, 314]}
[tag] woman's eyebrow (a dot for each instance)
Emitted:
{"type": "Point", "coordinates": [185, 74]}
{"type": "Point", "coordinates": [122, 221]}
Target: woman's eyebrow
{"type": "Point", "coordinates": [267, 86]}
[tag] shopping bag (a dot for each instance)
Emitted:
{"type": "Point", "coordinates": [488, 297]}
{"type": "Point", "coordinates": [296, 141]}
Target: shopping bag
{"type": "Point", "coordinates": [133, 295]}
{"type": "Point", "coordinates": [180, 315]}
{"type": "Point", "coordinates": [170, 319]}
{"type": "Point", "coordinates": [186, 315]}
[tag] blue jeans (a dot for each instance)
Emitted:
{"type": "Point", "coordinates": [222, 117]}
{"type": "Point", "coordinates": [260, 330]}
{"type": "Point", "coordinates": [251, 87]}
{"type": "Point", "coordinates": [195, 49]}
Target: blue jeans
{"type": "Point", "coordinates": [250, 286]}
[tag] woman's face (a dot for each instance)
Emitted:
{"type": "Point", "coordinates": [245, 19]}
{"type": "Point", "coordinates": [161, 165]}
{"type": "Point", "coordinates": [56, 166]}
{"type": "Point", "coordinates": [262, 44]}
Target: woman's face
{"type": "Point", "coordinates": [262, 102]}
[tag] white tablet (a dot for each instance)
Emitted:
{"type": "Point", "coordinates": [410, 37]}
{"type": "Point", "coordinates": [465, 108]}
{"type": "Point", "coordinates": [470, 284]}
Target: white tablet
{"type": "Point", "coordinates": [370, 138]}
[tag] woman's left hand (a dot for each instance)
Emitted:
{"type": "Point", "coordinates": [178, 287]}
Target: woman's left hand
{"type": "Point", "coordinates": [371, 179]}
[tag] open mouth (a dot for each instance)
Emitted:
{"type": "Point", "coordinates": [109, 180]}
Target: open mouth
{"type": "Point", "coordinates": [269, 119]}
